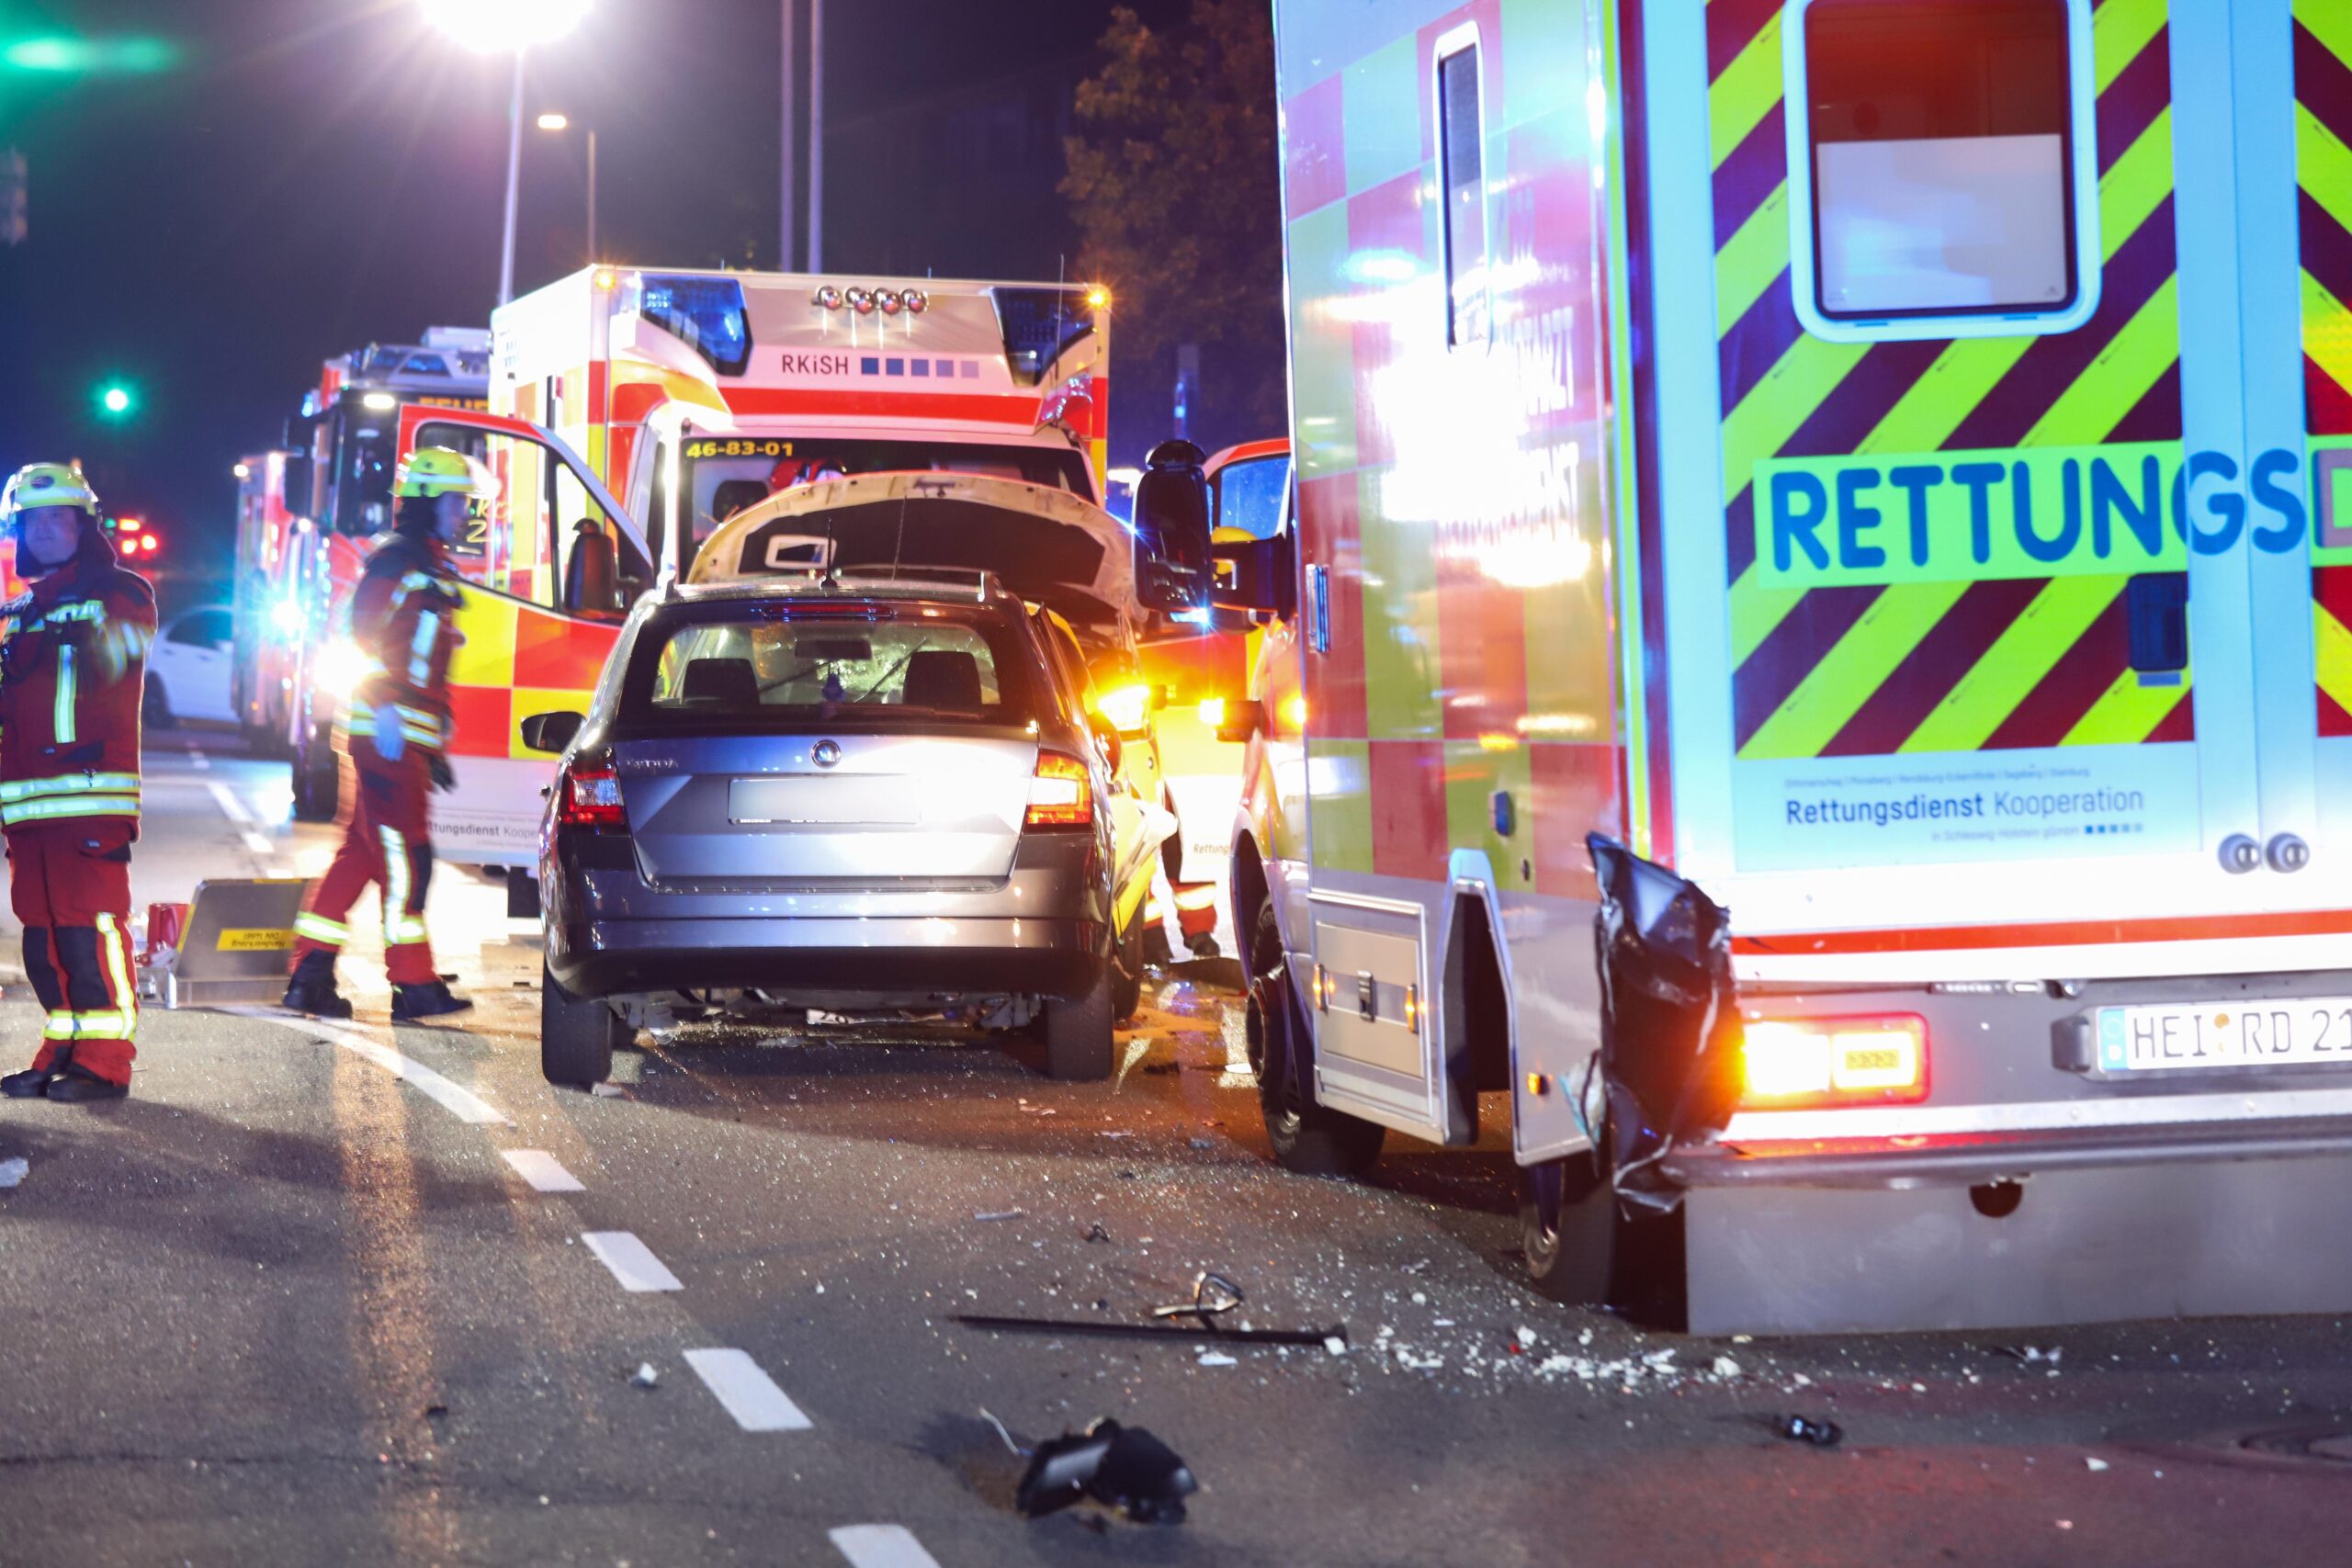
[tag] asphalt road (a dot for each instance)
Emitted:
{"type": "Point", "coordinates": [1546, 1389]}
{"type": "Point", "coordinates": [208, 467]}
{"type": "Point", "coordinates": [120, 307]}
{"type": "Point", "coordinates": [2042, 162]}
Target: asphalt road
{"type": "Point", "coordinates": [297, 1301]}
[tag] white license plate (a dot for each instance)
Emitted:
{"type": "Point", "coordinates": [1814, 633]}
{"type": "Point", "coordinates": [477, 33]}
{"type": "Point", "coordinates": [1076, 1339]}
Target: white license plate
{"type": "Point", "coordinates": [856, 800]}
{"type": "Point", "coordinates": [2305, 1032]}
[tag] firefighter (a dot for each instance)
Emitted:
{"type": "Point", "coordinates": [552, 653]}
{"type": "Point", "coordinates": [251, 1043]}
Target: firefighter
{"type": "Point", "coordinates": [392, 735]}
{"type": "Point", "coordinates": [73, 670]}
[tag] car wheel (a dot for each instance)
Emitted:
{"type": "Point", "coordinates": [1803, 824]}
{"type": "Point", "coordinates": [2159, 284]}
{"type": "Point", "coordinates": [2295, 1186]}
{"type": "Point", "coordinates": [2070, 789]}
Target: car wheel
{"type": "Point", "coordinates": [315, 781]}
{"type": "Point", "coordinates": [155, 705]}
{"type": "Point", "coordinates": [1076, 1032]}
{"type": "Point", "coordinates": [1126, 988]}
{"type": "Point", "coordinates": [577, 1035]}
{"type": "Point", "coordinates": [1308, 1138]}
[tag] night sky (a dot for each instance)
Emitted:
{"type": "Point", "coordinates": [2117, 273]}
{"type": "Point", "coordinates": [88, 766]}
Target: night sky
{"type": "Point", "coordinates": [312, 174]}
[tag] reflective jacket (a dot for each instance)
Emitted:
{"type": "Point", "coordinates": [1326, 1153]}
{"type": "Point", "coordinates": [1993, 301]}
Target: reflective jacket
{"type": "Point", "coordinates": [73, 670]}
{"type": "Point", "coordinates": [403, 619]}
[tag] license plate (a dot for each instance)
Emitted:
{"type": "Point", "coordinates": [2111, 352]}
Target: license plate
{"type": "Point", "coordinates": [2305, 1032]}
{"type": "Point", "coordinates": [859, 800]}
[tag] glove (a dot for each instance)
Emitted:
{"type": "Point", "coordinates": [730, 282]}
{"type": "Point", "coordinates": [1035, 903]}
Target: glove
{"type": "Point", "coordinates": [390, 741]}
{"type": "Point", "coordinates": [444, 777]}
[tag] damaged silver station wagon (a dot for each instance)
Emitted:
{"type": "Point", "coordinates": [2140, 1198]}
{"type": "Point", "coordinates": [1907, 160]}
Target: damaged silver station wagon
{"type": "Point", "coordinates": [869, 794]}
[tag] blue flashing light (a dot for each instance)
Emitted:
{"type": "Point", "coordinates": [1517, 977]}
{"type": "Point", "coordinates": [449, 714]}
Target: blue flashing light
{"type": "Point", "coordinates": [706, 314]}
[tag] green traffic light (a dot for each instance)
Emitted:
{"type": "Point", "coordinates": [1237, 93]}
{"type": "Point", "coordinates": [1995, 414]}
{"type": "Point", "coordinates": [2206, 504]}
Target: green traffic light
{"type": "Point", "coordinates": [115, 399]}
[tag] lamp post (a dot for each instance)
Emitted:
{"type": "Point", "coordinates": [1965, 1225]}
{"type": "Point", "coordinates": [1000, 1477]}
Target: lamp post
{"type": "Point", "coordinates": [563, 123]}
{"type": "Point", "coordinates": [498, 27]}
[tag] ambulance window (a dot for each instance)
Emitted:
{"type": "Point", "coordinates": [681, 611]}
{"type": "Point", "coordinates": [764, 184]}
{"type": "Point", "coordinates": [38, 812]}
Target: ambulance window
{"type": "Point", "coordinates": [1250, 495]}
{"type": "Point", "coordinates": [1462, 171]}
{"type": "Point", "coordinates": [473, 541]}
{"type": "Point", "coordinates": [1940, 166]}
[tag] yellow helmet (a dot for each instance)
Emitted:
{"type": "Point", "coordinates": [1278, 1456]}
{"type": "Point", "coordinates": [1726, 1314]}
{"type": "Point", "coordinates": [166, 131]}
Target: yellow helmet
{"type": "Point", "coordinates": [47, 484]}
{"type": "Point", "coordinates": [437, 470]}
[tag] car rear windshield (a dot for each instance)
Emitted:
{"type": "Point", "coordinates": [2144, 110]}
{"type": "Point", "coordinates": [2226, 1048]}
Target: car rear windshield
{"type": "Point", "coordinates": [766, 667]}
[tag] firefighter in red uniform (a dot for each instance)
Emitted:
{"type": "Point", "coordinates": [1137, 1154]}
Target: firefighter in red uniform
{"type": "Point", "coordinates": [72, 673]}
{"type": "Point", "coordinates": [392, 734]}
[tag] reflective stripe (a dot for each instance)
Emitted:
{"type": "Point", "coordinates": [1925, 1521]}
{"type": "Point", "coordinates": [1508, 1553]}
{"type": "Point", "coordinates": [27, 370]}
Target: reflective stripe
{"type": "Point", "coordinates": [69, 784]}
{"type": "Point", "coordinates": [317, 927]}
{"type": "Point", "coordinates": [420, 648]}
{"type": "Point", "coordinates": [404, 932]}
{"type": "Point", "coordinates": [59, 1026]}
{"type": "Point", "coordinates": [395, 878]}
{"type": "Point", "coordinates": [65, 696]}
{"type": "Point", "coordinates": [105, 1024]}
{"type": "Point", "coordinates": [52, 808]}
{"type": "Point", "coordinates": [117, 957]}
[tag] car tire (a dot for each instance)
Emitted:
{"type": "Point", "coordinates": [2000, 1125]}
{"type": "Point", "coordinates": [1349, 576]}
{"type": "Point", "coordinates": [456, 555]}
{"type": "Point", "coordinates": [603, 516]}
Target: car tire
{"type": "Point", "coordinates": [1310, 1139]}
{"type": "Point", "coordinates": [1128, 962]}
{"type": "Point", "coordinates": [1077, 1032]}
{"type": "Point", "coordinates": [577, 1035]}
{"type": "Point", "coordinates": [316, 783]}
{"type": "Point", "coordinates": [155, 705]}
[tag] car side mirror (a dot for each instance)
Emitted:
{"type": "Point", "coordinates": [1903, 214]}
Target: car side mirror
{"type": "Point", "coordinates": [552, 732]}
{"type": "Point", "coordinates": [1108, 734]}
{"type": "Point", "coordinates": [1256, 576]}
{"type": "Point", "coordinates": [1241, 718]}
{"type": "Point", "coordinates": [1172, 526]}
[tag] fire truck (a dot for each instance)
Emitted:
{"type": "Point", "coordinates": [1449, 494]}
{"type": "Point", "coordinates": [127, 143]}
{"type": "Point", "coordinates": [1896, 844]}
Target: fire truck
{"type": "Point", "coordinates": [307, 516]}
{"type": "Point", "coordinates": [1880, 461]}
{"type": "Point", "coordinates": [680, 398]}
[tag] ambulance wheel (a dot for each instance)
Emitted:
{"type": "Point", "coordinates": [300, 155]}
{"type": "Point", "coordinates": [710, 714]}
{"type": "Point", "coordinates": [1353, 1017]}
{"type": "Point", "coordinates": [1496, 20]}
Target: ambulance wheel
{"type": "Point", "coordinates": [1583, 1251]}
{"type": "Point", "coordinates": [577, 1035]}
{"type": "Point", "coordinates": [1311, 1139]}
{"type": "Point", "coordinates": [1127, 964]}
{"type": "Point", "coordinates": [1076, 1032]}
{"type": "Point", "coordinates": [316, 782]}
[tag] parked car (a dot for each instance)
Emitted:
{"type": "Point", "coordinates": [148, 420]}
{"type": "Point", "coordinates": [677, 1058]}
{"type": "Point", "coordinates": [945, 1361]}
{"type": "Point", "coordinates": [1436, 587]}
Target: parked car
{"type": "Point", "coordinates": [867, 796]}
{"type": "Point", "coordinates": [189, 668]}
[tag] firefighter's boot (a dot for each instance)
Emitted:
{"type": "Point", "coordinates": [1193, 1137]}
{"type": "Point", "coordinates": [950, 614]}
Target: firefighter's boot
{"type": "Point", "coordinates": [425, 999]}
{"type": "Point", "coordinates": [311, 990]}
{"type": "Point", "coordinates": [81, 1084]}
{"type": "Point", "coordinates": [31, 1084]}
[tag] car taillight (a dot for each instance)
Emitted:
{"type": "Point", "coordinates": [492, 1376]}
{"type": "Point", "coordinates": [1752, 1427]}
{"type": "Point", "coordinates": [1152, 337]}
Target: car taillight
{"type": "Point", "coordinates": [1804, 1062]}
{"type": "Point", "coordinates": [1061, 793]}
{"type": "Point", "coordinates": [591, 798]}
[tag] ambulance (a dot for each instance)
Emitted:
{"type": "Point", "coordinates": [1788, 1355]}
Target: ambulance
{"type": "Point", "coordinates": [1885, 461]}
{"type": "Point", "coordinates": [308, 514]}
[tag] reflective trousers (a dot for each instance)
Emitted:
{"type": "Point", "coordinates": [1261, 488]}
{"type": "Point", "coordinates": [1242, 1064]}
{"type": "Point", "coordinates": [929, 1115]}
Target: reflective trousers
{"type": "Point", "coordinates": [69, 882]}
{"type": "Point", "coordinates": [387, 841]}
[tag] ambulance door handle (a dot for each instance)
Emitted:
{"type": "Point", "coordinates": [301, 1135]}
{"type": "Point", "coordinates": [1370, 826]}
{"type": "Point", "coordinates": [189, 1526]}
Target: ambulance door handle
{"type": "Point", "coordinates": [2240, 854]}
{"type": "Point", "coordinates": [2288, 853]}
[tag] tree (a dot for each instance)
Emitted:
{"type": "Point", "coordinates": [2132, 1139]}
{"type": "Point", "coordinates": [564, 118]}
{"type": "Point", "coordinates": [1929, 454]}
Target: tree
{"type": "Point", "coordinates": [1174, 181]}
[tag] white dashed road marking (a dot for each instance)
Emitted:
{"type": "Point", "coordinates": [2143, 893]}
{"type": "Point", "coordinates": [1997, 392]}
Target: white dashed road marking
{"type": "Point", "coordinates": [259, 845]}
{"type": "Point", "coordinates": [882, 1546]}
{"type": "Point", "coordinates": [198, 761]}
{"type": "Point", "coordinates": [461, 1102]}
{"type": "Point", "coordinates": [631, 1261]}
{"type": "Point", "coordinates": [231, 807]}
{"type": "Point", "coordinates": [542, 1170]}
{"type": "Point", "coordinates": [750, 1395]}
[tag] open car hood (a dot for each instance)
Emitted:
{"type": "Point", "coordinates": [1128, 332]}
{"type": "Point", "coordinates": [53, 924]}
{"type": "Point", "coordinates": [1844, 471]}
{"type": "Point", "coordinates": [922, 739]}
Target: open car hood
{"type": "Point", "coordinates": [1048, 545]}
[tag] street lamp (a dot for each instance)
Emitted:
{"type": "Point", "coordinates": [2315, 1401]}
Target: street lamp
{"type": "Point", "coordinates": [496, 26]}
{"type": "Point", "coordinates": [563, 123]}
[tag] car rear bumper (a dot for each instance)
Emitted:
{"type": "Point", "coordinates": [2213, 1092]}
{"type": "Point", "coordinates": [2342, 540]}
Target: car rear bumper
{"type": "Point", "coordinates": [883, 957]}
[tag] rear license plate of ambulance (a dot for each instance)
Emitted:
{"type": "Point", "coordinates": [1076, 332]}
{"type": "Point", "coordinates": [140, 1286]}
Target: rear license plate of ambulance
{"type": "Point", "coordinates": [2302, 1032]}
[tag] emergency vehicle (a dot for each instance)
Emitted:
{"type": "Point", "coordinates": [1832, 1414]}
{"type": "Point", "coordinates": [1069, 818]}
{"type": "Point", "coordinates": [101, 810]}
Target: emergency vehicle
{"type": "Point", "coordinates": [298, 559]}
{"type": "Point", "coordinates": [268, 620]}
{"type": "Point", "coordinates": [1882, 460]}
{"type": "Point", "coordinates": [680, 398]}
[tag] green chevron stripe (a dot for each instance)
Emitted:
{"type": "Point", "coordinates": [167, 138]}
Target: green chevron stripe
{"type": "Point", "coordinates": [1745, 93]}
{"type": "Point", "coordinates": [1851, 671]}
{"type": "Point", "coordinates": [1752, 260]}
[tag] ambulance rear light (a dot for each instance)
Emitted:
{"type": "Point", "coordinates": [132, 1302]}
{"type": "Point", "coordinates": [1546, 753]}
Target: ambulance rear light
{"type": "Point", "coordinates": [591, 798]}
{"type": "Point", "coordinates": [1792, 1063]}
